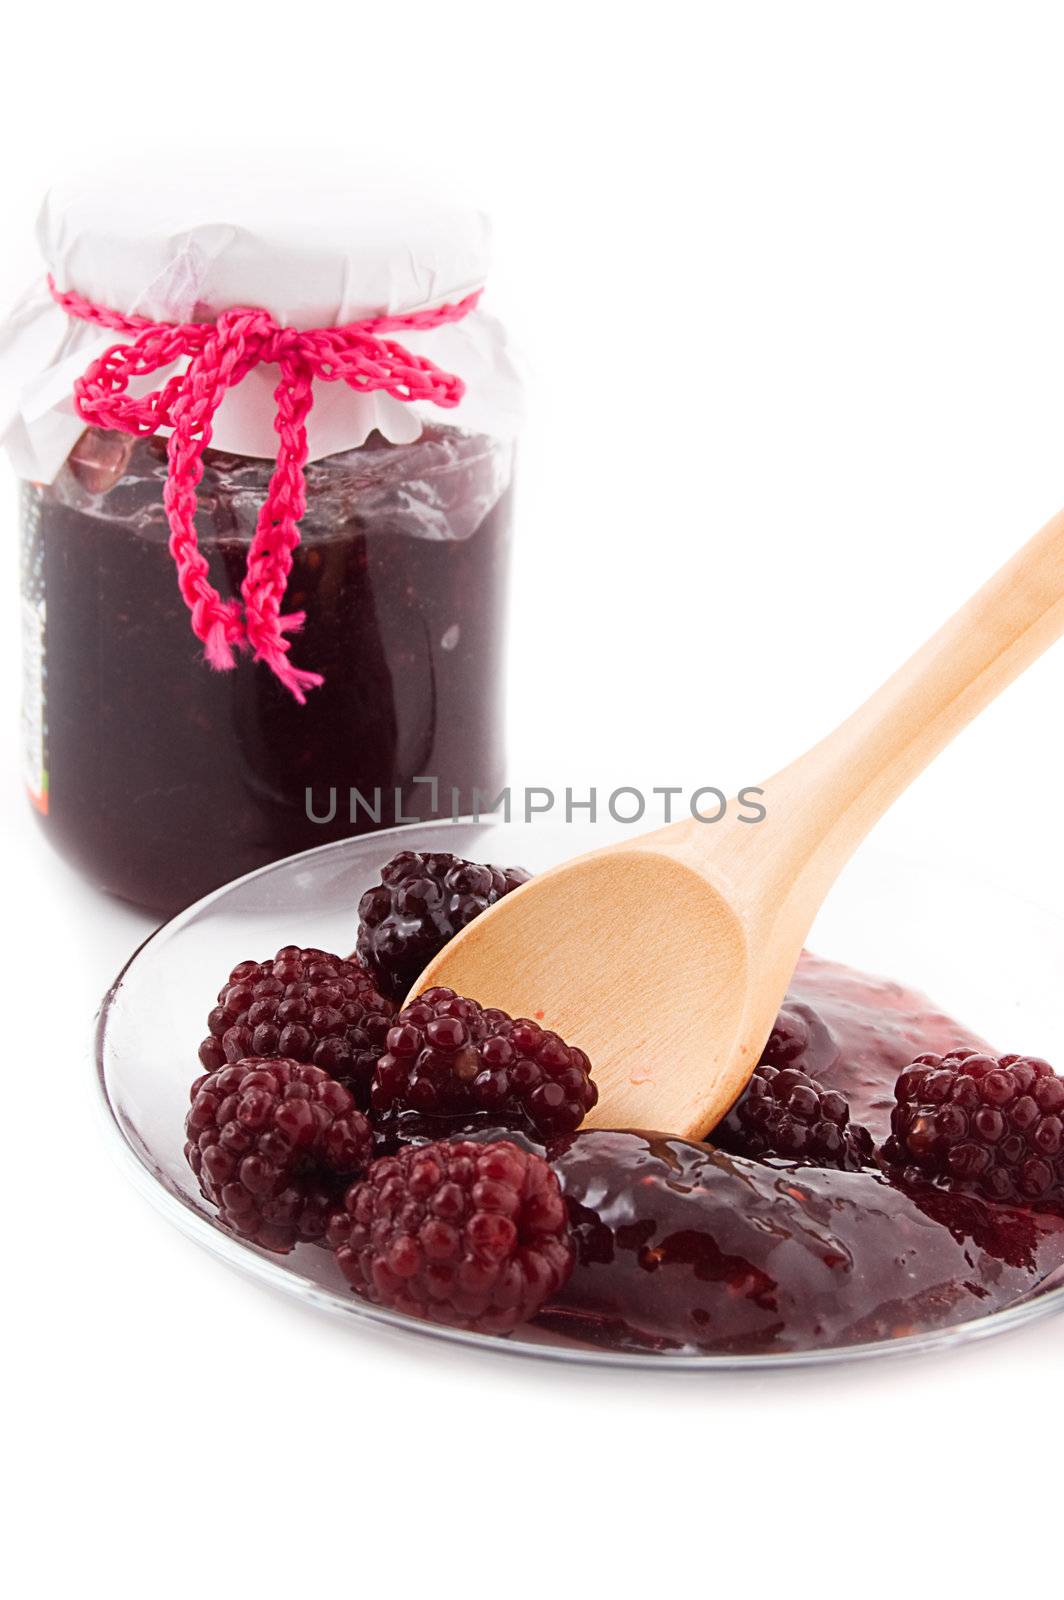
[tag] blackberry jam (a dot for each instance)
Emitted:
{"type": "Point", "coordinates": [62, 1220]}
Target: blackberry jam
{"type": "Point", "coordinates": [161, 778]}
{"type": "Point", "coordinates": [683, 1248]}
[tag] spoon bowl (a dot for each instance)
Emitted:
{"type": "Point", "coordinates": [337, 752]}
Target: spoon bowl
{"type": "Point", "coordinates": [644, 928]}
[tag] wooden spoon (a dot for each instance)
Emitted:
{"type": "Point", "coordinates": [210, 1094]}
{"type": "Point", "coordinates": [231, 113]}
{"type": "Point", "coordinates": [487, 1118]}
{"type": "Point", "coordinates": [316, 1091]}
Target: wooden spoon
{"type": "Point", "coordinates": [666, 957]}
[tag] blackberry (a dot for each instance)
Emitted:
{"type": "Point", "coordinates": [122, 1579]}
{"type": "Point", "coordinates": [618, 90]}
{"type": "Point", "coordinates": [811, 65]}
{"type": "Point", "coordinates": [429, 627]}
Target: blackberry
{"type": "Point", "coordinates": [421, 902]}
{"type": "Point", "coordinates": [306, 1005]}
{"type": "Point", "coordinates": [272, 1143]}
{"type": "Point", "coordinates": [447, 1056]}
{"type": "Point", "coordinates": [468, 1234]}
{"type": "Point", "coordinates": [785, 1113]}
{"type": "Point", "coordinates": [986, 1126]}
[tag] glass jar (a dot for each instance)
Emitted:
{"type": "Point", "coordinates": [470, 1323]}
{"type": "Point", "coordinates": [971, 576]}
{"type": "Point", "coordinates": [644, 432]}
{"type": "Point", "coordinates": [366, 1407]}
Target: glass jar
{"type": "Point", "coordinates": [161, 778]}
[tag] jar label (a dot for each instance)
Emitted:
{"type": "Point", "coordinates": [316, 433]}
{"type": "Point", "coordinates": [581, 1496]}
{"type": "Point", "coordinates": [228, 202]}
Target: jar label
{"type": "Point", "coordinates": [34, 705]}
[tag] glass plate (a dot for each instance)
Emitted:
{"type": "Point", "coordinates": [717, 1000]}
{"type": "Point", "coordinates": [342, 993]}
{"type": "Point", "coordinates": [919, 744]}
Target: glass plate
{"type": "Point", "coordinates": [884, 916]}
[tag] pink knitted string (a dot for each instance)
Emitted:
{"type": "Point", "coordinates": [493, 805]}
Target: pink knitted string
{"type": "Point", "coordinates": [220, 355]}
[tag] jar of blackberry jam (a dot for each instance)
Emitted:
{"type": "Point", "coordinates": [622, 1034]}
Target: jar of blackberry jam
{"type": "Point", "coordinates": [267, 465]}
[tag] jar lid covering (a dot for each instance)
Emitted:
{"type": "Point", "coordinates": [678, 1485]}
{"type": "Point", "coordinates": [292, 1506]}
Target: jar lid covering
{"type": "Point", "coordinates": [311, 255]}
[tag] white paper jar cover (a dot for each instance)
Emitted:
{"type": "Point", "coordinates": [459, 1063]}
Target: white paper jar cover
{"type": "Point", "coordinates": [310, 255]}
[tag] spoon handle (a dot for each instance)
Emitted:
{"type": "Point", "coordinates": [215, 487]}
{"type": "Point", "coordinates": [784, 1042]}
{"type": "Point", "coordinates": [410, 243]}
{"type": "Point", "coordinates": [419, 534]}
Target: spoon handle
{"type": "Point", "coordinates": [828, 799]}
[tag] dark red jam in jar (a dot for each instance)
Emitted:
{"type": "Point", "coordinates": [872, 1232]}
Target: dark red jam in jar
{"type": "Point", "coordinates": [166, 778]}
{"type": "Point", "coordinates": [157, 775]}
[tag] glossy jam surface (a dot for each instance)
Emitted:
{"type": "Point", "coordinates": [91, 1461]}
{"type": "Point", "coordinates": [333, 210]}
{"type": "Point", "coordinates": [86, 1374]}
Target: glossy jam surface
{"type": "Point", "coordinates": [165, 778]}
{"type": "Point", "coordinates": [682, 1248]}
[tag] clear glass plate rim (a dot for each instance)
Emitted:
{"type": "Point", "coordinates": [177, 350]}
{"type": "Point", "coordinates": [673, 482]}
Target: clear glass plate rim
{"type": "Point", "coordinates": [273, 1273]}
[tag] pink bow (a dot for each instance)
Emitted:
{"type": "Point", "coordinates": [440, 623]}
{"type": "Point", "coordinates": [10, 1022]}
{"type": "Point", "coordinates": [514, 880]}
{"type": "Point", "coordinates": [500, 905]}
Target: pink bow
{"type": "Point", "coordinates": [220, 355]}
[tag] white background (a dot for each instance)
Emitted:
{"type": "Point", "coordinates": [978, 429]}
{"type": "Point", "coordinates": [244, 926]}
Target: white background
{"type": "Point", "coordinates": [790, 279]}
